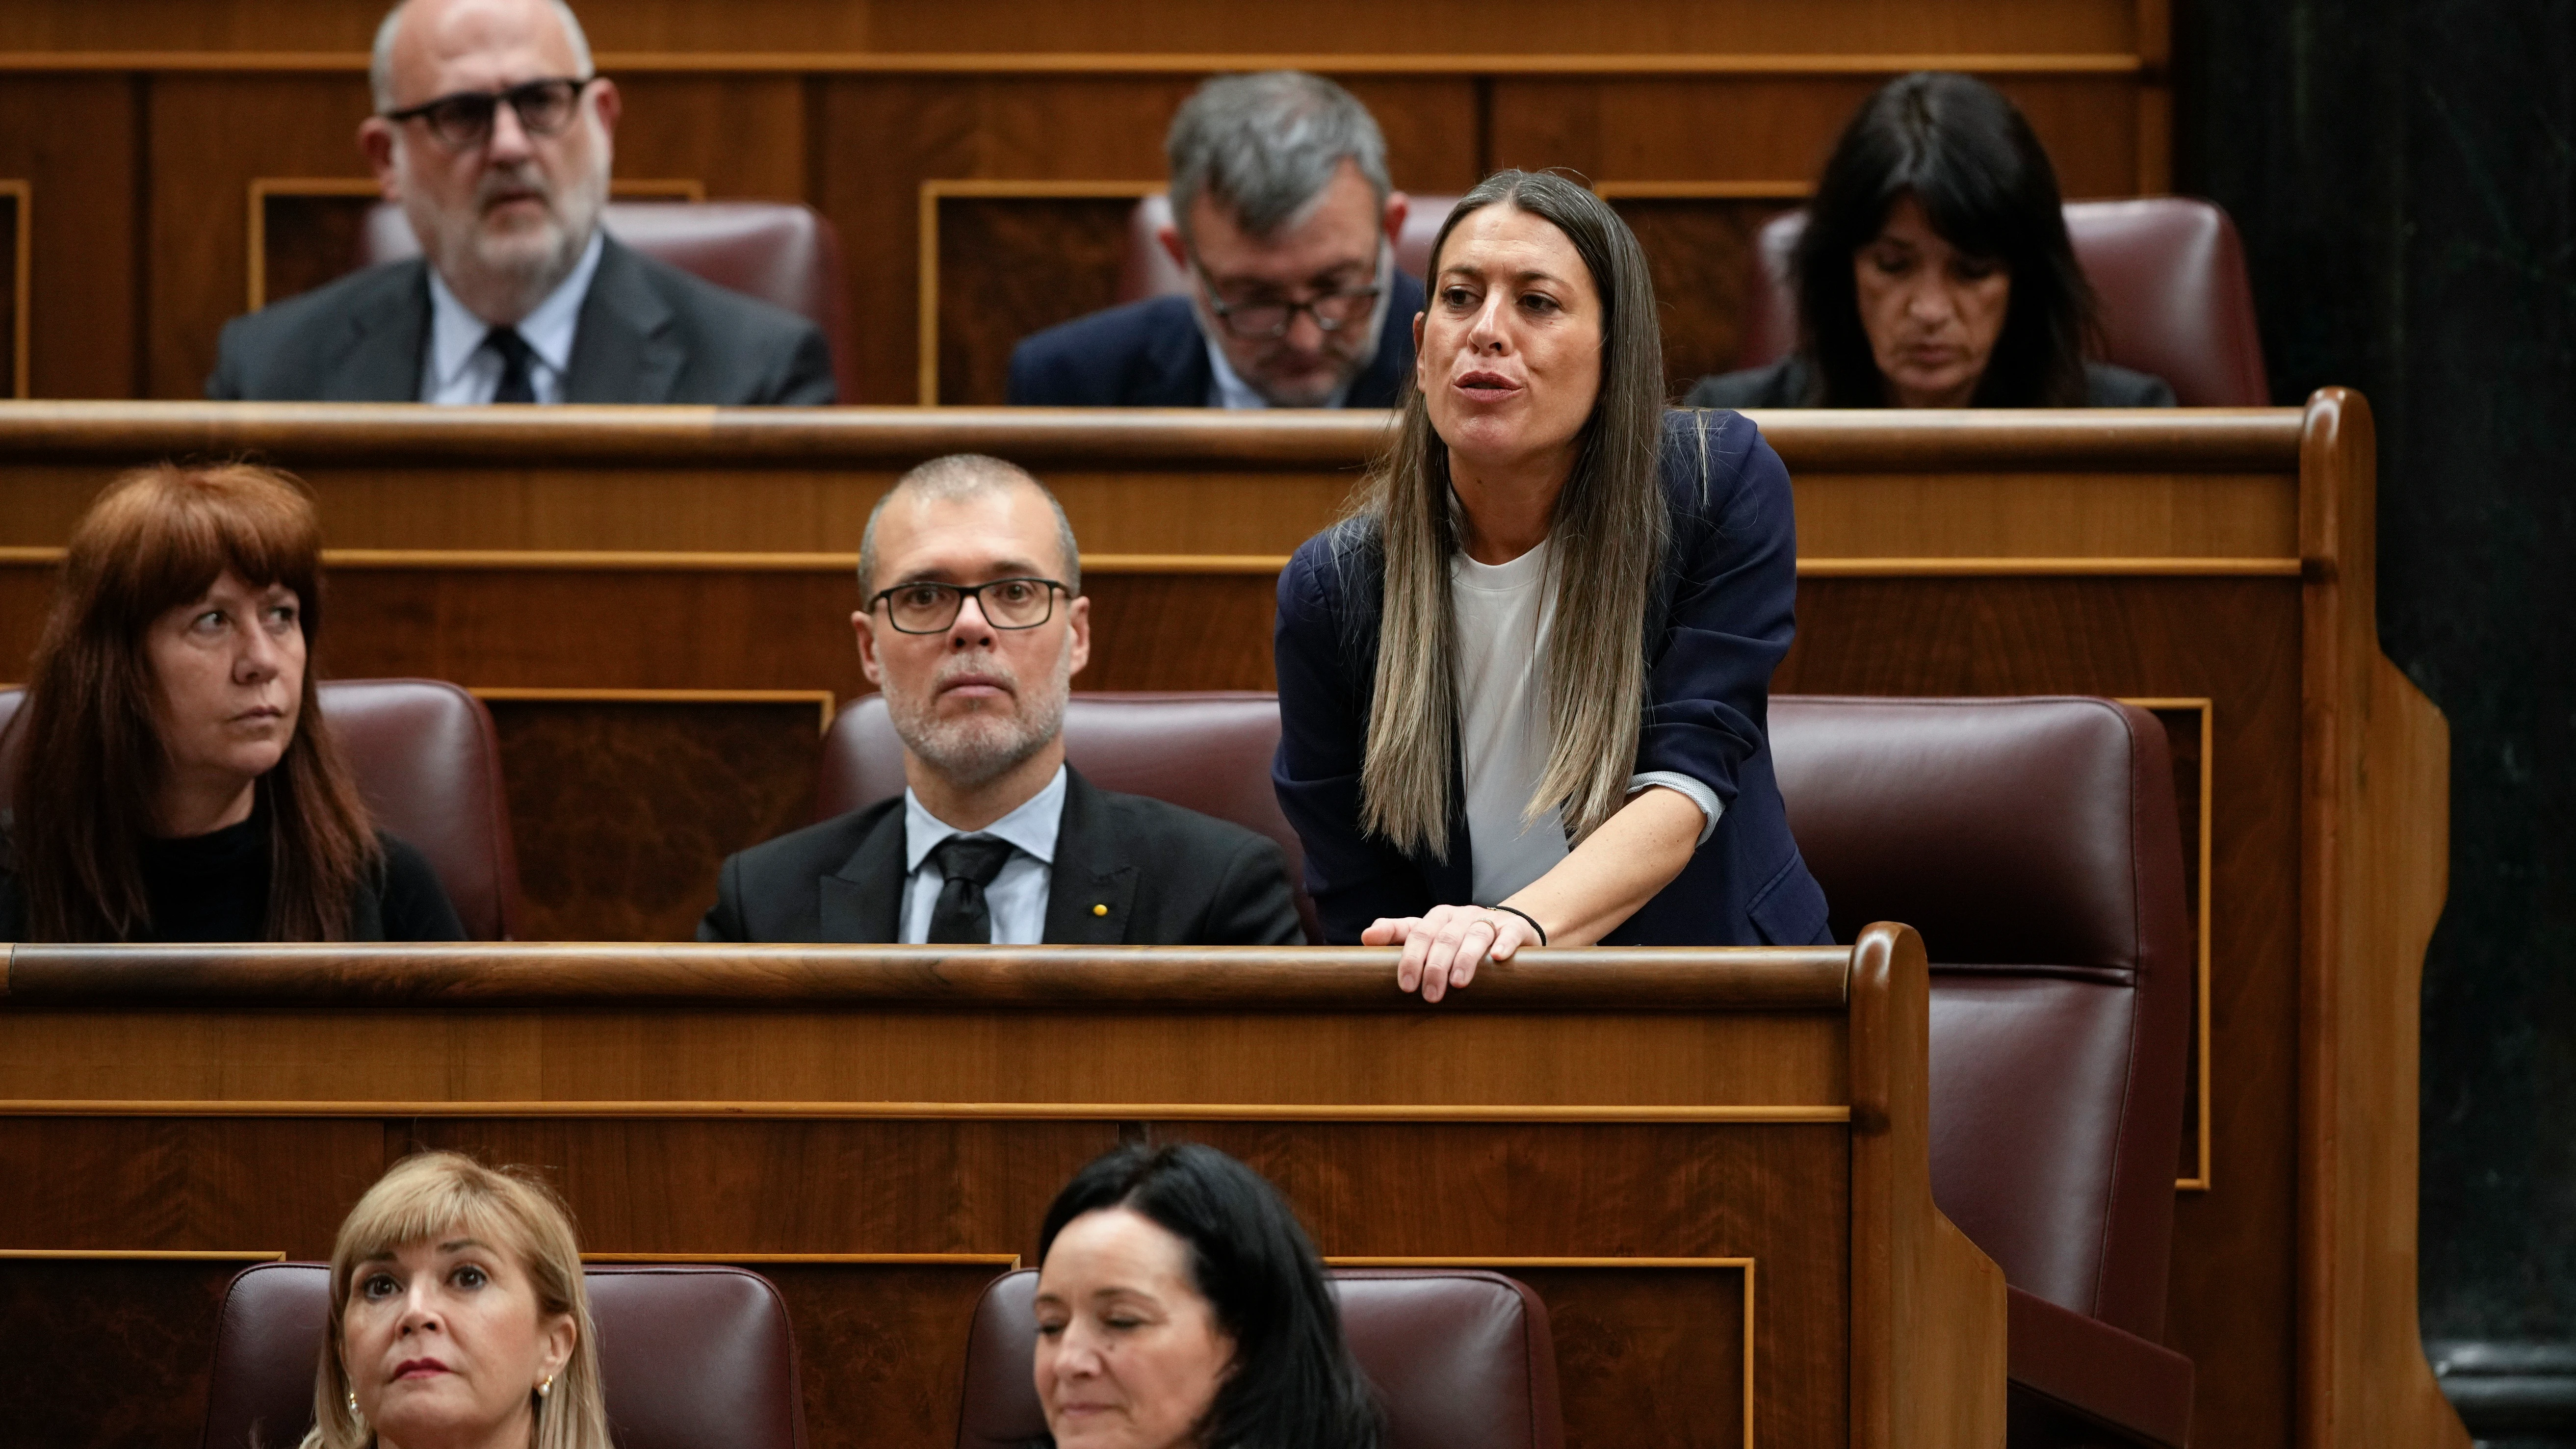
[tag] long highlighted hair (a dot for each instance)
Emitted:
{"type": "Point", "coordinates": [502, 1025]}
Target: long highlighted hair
{"type": "Point", "coordinates": [1606, 546]}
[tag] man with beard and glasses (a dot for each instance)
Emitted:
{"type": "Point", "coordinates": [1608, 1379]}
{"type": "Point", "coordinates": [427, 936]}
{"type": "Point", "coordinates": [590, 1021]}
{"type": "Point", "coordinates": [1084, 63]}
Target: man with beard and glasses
{"type": "Point", "coordinates": [973, 626]}
{"type": "Point", "coordinates": [1285, 223]}
{"type": "Point", "coordinates": [494, 136]}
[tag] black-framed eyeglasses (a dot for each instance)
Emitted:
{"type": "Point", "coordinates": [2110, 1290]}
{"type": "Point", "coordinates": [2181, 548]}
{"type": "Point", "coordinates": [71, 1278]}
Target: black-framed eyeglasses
{"type": "Point", "coordinates": [1260, 321]}
{"type": "Point", "coordinates": [463, 121]}
{"type": "Point", "coordinates": [923, 607]}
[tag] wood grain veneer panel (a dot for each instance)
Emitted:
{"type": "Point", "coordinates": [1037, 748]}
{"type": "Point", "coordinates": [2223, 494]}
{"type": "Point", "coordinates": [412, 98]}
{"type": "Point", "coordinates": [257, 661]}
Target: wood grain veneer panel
{"type": "Point", "coordinates": [1165, 25]}
{"type": "Point", "coordinates": [1780, 128]}
{"type": "Point", "coordinates": [1013, 266]}
{"type": "Point", "coordinates": [621, 812]}
{"type": "Point", "coordinates": [2046, 515]}
{"type": "Point", "coordinates": [2236, 643]}
{"type": "Point", "coordinates": [81, 340]}
{"type": "Point", "coordinates": [1700, 253]}
{"type": "Point", "coordinates": [209, 137]}
{"type": "Point", "coordinates": [109, 1352]}
{"type": "Point", "coordinates": [818, 1056]}
{"type": "Point", "coordinates": [275, 1185]}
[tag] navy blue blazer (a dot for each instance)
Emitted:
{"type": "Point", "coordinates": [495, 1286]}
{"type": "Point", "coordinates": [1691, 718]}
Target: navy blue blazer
{"type": "Point", "coordinates": [1721, 618]}
{"type": "Point", "coordinates": [1150, 354]}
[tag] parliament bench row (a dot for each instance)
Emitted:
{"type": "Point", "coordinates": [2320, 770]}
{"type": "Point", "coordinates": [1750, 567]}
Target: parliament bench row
{"type": "Point", "coordinates": [697, 1355]}
{"type": "Point", "coordinates": [2033, 842]}
{"type": "Point", "coordinates": [2170, 272]}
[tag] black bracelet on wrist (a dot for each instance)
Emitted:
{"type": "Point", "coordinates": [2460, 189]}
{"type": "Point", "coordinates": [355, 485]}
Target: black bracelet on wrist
{"type": "Point", "coordinates": [1526, 916]}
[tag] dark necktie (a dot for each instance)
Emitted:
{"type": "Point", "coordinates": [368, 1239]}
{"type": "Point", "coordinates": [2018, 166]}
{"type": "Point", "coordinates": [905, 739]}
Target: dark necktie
{"type": "Point", "coordinates": [516, 383]}
{"type": "Point", "coordinates": [969, 862]}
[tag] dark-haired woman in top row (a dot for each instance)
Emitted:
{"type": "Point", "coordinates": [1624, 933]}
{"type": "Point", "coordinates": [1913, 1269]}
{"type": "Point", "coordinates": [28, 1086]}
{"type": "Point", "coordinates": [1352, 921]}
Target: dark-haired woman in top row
{"type": "Point", "coordinates": [1935, 271]}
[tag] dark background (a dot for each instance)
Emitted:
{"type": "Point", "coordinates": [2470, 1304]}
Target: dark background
{"type": "Point", "coordinates": [2405, 178]}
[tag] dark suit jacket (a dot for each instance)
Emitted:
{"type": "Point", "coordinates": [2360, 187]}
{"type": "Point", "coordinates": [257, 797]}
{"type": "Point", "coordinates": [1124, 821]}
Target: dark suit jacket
{"type": "Point", "coordinates": [1719, 621]}
{"type": "Point", "coordinates": [1783, 384]}
{"type": "Point", "coordinates": [649, 333]}
{"type": "Point", "coordinates": [1169, 876]}
{"type": "Point", "coordinates": [1150, 354]}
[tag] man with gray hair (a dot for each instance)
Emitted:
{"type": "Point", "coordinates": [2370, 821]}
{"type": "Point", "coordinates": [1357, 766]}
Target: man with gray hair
{"type": "Point", "coordinates": [494, 135]}
{"type": "Point", "coordinates": [1284, 224]}
{"type": "Point", "coordinates": [973, 624]}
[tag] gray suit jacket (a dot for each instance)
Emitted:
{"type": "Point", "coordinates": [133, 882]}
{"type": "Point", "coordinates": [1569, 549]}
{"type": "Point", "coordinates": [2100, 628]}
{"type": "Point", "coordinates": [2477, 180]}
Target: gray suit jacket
{"type": "Point", "coordinates": [649, 333]}
{"type": "Point", "coordinates": [1129, 871]}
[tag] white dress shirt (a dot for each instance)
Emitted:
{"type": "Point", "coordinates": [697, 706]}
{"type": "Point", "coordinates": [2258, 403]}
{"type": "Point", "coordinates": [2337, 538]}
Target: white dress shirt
{"type": "Point", "coordinates": [1505, 613]}
{"type": "Point", "coordinates": [461, 369]}
{"type": "Point", "coordinates": [1017, 898]}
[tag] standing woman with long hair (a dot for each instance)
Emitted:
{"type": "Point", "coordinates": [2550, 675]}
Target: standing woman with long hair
{"type": "Point", "coordinates": [1523, 685]}
{"type": "Point", "coordinates": [174, 779]}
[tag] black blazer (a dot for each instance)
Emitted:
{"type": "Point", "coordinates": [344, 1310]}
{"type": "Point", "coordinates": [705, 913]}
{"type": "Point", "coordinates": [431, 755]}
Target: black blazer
{"type": "Point", "coordinates": [1783, 384]}
{"type": "Point", "coordinates": [1150, 354]}
{"type": "Point", "coordinates": [1721, 617]}
{"type": "Point", "coordinates": [1169, 877]}
{"type": "Point", "coordinates": [648, 333]}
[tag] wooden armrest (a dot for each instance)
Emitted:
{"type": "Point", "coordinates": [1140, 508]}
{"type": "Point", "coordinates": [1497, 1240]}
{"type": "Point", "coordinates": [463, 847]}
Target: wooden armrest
{"type": "Point", "coordinates": [2103, 1375]}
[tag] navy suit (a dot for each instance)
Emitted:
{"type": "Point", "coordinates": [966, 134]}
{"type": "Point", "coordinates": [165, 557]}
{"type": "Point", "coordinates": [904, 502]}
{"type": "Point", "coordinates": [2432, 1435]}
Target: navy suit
{"type": "Point", "coordinates": [1720, 619]}
{"type": "Point", "coordinates": [1151, 354]}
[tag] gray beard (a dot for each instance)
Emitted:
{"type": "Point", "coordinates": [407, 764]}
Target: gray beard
{"type": "Point", "coordinates": [978, 748]}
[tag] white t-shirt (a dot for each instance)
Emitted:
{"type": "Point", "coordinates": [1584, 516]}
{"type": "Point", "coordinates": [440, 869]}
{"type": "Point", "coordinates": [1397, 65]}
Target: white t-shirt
{"type": "Point", "coordinates": [1504, 613]}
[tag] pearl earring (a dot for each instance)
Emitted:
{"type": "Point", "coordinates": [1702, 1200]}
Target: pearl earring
{"type": "Point", "coordinates": [547, 1387]}
{"type": "Point", "coordinates": [353, 1403]}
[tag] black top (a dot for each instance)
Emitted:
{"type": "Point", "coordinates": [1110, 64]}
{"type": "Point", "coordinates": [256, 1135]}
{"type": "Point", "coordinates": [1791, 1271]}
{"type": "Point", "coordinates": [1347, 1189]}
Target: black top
{"type": "Point", "coordinates": [1783, 384]}
{"type": "Point", "coordinates": [214, 887]}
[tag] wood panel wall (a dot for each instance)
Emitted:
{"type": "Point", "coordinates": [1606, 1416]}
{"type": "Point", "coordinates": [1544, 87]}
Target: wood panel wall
{"type": "Point", "coordinates": [143, 137]}
{"type": "Point", "coordinates": [2181, 555]}
{"type": "Point", "coordinates": [1694, 1160]}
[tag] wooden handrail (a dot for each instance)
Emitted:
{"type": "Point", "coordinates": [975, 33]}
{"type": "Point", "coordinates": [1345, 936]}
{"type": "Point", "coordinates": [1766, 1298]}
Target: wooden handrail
{"type": "Point", "coordinates": [2255, 439]}
{"type": "Point", "coordinates": [1289, 978]}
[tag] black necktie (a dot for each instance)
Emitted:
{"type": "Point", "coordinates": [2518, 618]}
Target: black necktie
{"type": "Point", "coordinates": [516, 384]}
{"type": "Point", "coordinates": [969, 862]}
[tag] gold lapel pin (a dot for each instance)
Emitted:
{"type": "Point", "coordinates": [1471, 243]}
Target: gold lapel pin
{"type": "Point", "coordinates": [1100, 910]}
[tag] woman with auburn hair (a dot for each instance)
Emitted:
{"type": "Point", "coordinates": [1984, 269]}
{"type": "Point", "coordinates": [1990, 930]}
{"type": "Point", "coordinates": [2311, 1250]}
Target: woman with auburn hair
{"type": "Point", "coordinates": [1935, 270]}
{"type": "Point", "coordinates": [458, 1316]}
{"type": "Point", "coordinates": [174, 778]}
{"type": "Point", "coordinates": [1524, 684]}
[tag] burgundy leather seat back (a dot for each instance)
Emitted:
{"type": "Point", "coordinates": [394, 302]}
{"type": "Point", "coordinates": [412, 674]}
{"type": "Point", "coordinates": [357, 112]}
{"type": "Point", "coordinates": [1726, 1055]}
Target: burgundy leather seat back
{"type": "Point", "coordinates": [690, 1357]}
{"type": "Point", "coordinates": [1459, 1357]}
{"type": "Point", "coordinates": [2034, 844]}
{"type": "Point", "coordinates": [1148, 271]}
{"type": "Point", "coordinates": [784, 253]}
{"type": "Point", "coordinates": [429, 766]}
{"type": "Point", "coordinates": [2168, 270]}
{"type": "Point", "coordinates": [1208, 752]}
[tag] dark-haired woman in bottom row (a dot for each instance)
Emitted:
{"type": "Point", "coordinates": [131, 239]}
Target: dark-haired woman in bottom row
{"type": "Point", "coordinates": [1935, 270]}
{"type": "Point", "coordinates": [174, 778]}
{"type": "Point", "coordinates": [1180, 1306]}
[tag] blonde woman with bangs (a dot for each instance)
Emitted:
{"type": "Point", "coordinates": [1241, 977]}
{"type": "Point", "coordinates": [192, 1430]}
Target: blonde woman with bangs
{"type": "Point", "coordinates": [174, 779]}
{"type": "Point", "coordinates": [458, 1318]}
{"type": "Point", "coordinates": [1524, 683]}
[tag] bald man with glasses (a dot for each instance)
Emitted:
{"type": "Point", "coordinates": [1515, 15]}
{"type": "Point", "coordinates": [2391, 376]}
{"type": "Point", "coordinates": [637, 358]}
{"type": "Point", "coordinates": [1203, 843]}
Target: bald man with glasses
{"type": "Point", "coordinates": [973, 625]}
{"type": "Point", "coordinates": [495, 136]}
